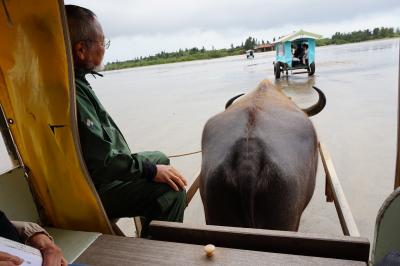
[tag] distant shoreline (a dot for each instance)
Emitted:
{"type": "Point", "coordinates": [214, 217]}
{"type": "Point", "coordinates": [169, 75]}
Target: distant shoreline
{"type": "Point", "coordinates": [206, 55]}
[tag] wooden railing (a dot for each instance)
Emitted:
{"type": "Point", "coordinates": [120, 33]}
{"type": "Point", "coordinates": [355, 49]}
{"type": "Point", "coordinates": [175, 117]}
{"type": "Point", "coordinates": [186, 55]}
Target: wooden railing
{"type": "Point", "coordinates": [284, 242]}
{"type": "Point", "coordinates": [397, 176]}
{"type": "Point", "coordinates": [334, 192]}
{"type": "Point", "coordinates": [193, 188]}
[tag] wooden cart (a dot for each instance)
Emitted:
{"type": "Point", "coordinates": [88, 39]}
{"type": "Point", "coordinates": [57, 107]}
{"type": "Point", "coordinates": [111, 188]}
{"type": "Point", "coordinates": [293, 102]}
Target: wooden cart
{"type": "Point", "coordinates": [38, 124]}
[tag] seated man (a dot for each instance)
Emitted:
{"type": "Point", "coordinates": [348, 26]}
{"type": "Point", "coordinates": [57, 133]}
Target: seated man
{"type": "Point", "coordinates": [293, 48]}
{"type": "Point", "coordinates": [32, 235]}
{"type": "Point", "coordinates": [305, 53]}
{"type": "Point", "coordinates": [298, 53]}
{"type": "Point", "coordinates": [139, 184]}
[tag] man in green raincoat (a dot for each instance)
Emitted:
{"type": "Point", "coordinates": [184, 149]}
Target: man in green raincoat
{"type": "Point", "coordinates": [129, 185]}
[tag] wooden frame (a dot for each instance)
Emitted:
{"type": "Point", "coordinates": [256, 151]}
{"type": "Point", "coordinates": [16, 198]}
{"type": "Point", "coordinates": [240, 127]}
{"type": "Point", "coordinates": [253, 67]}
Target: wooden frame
{"type": "Point", "coordinates": [114, 250]}
{"type": "Point", "coordinates": [193, 188]}
{"type": "Point", "coordinates": [351, 248]}
{"type": "Point", "coordinates": [334, 191]}
{"type": "Point", "coordinates": [397, 175]}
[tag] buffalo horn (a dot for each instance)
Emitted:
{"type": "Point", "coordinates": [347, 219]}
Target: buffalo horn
{"type": "Point", "coordinates": [316, 108]}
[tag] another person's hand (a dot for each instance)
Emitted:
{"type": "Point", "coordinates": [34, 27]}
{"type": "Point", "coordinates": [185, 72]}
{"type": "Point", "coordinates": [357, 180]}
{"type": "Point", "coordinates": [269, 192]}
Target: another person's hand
{"type": "Point", "coordinates": [52, 254]}
{"type": "Point", "coordinates": [169, 175]}
{"type": "Point", "coordinates": [9, 260]}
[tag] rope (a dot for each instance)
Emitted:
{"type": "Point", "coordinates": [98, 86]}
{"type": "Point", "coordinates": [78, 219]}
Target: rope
{"type": "Point", "coordinates": [183, 154]}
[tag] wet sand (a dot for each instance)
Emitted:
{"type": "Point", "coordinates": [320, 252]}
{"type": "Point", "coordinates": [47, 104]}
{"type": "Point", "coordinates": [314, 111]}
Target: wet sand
{"type": "Point", "coordinates": [165, 108]}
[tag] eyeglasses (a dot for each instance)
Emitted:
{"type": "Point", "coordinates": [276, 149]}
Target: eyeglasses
{"type": "Point", "coordinates": [105, 43]}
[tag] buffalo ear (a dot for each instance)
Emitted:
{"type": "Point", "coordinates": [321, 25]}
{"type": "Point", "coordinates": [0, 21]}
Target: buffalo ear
{"type": "Point", "coordinates": [230, 101]}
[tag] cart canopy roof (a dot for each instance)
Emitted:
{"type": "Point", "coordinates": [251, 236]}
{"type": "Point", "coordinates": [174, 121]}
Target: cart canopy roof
{"type": "Point", "coordinates": [301, 34]}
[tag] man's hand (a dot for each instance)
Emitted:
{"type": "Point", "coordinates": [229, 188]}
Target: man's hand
{"type": "Point", "coordinates": [169, 175]}
{"type": "Point", "coordinates": [9, 260]}
{"type": "Point", "coordinates": [52, 254]}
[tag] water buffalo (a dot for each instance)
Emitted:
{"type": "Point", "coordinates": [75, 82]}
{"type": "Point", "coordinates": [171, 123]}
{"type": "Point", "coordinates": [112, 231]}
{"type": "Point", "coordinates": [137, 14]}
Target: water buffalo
{"type": "Point", "coordinates": [259, 161]}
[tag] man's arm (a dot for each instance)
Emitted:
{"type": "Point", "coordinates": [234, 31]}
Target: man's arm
{"type": "Point", "coordinates": [105, 160]}
{"type": "Point", "coordinates": [27, 230]}
{"type": "Point", "coordinates": [35, 236]}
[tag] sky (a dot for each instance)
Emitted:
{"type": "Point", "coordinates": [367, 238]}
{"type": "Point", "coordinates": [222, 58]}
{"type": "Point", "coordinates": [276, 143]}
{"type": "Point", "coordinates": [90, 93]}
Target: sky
{"type": "Point", "coordinates": [145, 27]}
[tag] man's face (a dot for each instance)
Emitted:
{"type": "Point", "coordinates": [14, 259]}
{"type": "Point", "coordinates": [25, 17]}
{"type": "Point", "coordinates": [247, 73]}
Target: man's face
{"type": "Point", "coordinates": [88, 54]}
{"type": "Point", "coordinates": [96, 46]}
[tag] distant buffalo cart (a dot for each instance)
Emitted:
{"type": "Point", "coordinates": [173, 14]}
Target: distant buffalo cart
{"type": "Point", "coordinates": [295, 51]}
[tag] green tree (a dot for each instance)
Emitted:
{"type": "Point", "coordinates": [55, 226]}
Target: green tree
{"type": "Point", "coordinates": [375, 32]}
{"type": "Point", "coordinates": [249, 43]}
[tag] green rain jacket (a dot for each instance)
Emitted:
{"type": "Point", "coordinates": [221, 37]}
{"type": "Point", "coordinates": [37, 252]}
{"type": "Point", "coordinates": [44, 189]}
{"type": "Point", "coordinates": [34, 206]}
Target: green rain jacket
{"type": "Point", "coordinates": [105, 150]}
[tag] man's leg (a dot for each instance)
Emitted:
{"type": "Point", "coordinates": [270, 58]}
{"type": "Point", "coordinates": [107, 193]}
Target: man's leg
{"type": "Point", "coordinates": [154, 201]}
{"type": "Point", "coordinates": [172, 204]}
{"type": "Point", "coordinates": [149, 199]}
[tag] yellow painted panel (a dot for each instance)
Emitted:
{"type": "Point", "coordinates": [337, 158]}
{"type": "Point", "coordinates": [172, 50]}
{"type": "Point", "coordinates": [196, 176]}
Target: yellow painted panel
{"type": "Point", "coordinates": [36, 92]}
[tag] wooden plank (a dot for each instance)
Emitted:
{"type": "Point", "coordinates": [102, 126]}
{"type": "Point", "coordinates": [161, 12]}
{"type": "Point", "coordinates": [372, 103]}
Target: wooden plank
{"type": "Point", "coordinates": [114, 250]}
{"type": "Point", "coordinates": [349, 248]}
{"type": "Point", "coordinates": [193, 188]}
{"type": "Point", "coordinates": [328, 190]}
{"type": "Point", "coordinates": [302, 72]}
{"type": "Point", "coordinates": [397, 177]}
{"type": "Point", "coordinates": [346, 219]}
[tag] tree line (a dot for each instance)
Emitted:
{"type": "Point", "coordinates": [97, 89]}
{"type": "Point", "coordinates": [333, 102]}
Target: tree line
{"type": "Point", "coordinates": [360, 36]}
{"type": "Point", "coordinates": [250, 43]}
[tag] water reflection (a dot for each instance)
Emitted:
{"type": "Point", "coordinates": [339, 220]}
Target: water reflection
{"type": "Point", "coordinates": [299, 88]}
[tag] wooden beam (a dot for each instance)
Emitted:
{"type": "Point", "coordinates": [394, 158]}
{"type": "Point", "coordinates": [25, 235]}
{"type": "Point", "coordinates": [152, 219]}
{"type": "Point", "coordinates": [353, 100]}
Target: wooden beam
{"type": "Point", "coordinates": [113, 250]}
{"type": "Point", "coordinates": [346, 219]}
{"type": "Point", "coordinates": [328, 190]}
{"type": "Point", "coordinates": [397, 176]}
{"type": "Point", "coordinates": [344, 247]}
{"type": "Point", "coordinates": [193, 188]}
{"type": "Point", "coordinates": [302, 72]}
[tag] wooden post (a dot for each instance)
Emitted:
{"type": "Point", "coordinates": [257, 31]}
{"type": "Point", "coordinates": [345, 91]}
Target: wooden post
{"type": "Point", "coordinates": [346, 219]}
{"type": "Point", "coordinates": [328, 190]}
{"type": "Point", "coordinates": [397, 176]}
{"type": "Point", "coordinates": [284, 242]}
{"type": "Point", "coordinates": [193, 188]}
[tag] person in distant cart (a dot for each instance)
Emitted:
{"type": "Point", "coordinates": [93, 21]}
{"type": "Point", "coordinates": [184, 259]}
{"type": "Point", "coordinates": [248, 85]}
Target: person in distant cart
{"type": "Point", "coordinates": [299, 52]}
{"type": "Point", "coordinates": [304, 59]}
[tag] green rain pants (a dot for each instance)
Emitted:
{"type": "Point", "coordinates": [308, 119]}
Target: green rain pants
{"type": "Point", "coordinates": [148, 199]}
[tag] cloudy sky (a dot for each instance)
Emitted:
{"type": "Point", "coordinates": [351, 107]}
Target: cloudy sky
{"type": "Point", "coordinates": [145, 27]}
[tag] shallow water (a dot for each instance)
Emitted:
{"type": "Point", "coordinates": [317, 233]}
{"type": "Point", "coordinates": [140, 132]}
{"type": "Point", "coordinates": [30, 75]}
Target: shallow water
{"type": "Point", "coordinates": [165, 108]}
